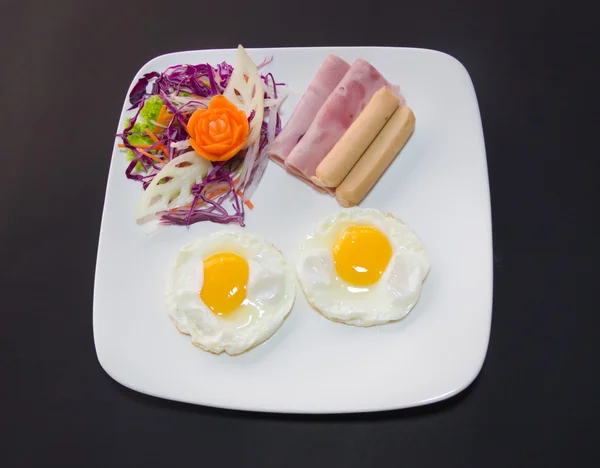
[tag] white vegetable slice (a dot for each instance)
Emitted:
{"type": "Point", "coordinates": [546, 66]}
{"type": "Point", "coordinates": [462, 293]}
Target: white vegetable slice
{"type": "Point", "coordinates": [181, 145]}
{"type": "Point", "coordinates": [172, 186]}
{"type": "Point", "coordinates": [185, 100]}
{"type": "Point", "coordinates": [247, 95]}
{"type": "Point", "coordinates": [275, 102]}
{"type": "Point", "coordinates": [260, 160]}
{"type": "Point", "coordinates": [249, 160]}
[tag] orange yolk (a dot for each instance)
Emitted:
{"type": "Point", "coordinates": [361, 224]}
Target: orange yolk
{"type": "Point", "coordinates": [361, 255]}
{"type": "Point", "coordinates": [225, 282]}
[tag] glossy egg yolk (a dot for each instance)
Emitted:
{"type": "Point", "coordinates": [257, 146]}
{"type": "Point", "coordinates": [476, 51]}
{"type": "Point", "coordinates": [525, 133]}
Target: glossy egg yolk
{"type": "Point", "coordinates": [225, 282]}
{"type": "Point", "coordinates": [361, 255]}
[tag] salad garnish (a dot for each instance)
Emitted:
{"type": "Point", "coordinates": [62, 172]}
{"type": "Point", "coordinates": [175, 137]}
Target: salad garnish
{"type": "Point", "coordinates": [196, 140]}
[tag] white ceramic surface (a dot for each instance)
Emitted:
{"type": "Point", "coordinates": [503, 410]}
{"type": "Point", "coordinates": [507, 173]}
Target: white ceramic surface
{"type": "Point", "coordinates": [438, 185]}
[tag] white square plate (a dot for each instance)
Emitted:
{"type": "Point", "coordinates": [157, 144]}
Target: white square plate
{"type": "Point", "coordinates": [438, 185]}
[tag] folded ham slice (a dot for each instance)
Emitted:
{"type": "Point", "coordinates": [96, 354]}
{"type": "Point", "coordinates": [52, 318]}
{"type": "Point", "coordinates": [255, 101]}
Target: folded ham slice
{"type": "Point", "coordinates": [338, 112]}
{"type": "Point", "coordinates": [324, 82]}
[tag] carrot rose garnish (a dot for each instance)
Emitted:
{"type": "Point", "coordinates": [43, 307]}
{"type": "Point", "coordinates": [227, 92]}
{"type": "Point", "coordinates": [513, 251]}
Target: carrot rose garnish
{"type": "Point", "coordinates": [219, 132]}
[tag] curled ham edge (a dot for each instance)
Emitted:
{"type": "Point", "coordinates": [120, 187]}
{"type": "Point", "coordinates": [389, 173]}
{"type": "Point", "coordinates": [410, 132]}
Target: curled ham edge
{"type": "Point", "coordinates": [330, 101]}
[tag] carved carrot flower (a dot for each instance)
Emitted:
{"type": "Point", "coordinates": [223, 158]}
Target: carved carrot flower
{"type": "Point", "coordinates": [219, 132]}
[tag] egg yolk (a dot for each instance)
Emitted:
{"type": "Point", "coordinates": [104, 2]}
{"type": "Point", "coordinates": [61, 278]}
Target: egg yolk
{"type": "Point", "coordinates": [361, 255]}
{"type": "Point", "coordinates": [225, 282]}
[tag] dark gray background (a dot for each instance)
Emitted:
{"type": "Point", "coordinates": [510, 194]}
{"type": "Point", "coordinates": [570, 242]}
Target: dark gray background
{"type": "Point", "coordinates": [65, 67]}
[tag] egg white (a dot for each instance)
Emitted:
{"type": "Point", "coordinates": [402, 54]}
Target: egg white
{"type": "Point", "coordinates": [269, 295]}
{"type": "Point", "coordinates": [390, 299]}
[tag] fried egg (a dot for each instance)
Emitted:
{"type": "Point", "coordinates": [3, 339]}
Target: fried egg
{"type": "Point", "coordinates": [362, 267]}
{"type": "Point", "coordinates": [229, 291]}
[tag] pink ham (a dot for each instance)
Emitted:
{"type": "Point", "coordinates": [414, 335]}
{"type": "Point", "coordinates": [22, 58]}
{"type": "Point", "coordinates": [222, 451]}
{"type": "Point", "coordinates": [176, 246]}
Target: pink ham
{"type": "Point", "coordinates": [335, 116]}
{"type": "Point", "coordinates": [324, 82]}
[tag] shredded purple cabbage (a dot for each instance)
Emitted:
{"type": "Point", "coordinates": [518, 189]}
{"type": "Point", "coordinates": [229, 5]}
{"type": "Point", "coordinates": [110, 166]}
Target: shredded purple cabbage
{"type": "Point", "coordinates": [139, 90]}
{"type": "Point", "coordinates": [217, 198]}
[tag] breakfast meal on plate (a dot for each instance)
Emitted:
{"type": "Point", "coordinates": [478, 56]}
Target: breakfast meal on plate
{"type": "Point", "coordinates": [363, 118]}
{"type": "Point", "coordinates": [362, 267]}
{"type": "Point", "coordinates": [197, 140]}
{"type": "Point", "coordinates": [229, 291]}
